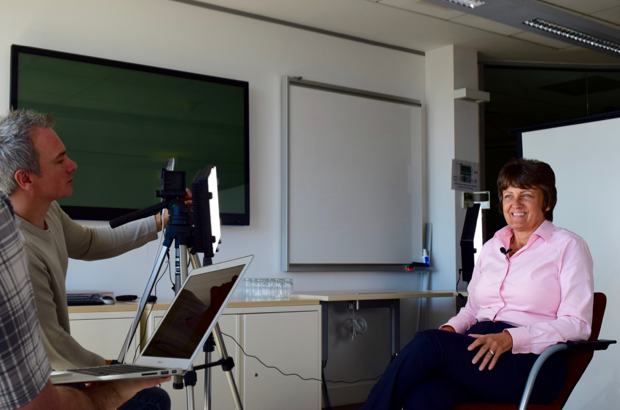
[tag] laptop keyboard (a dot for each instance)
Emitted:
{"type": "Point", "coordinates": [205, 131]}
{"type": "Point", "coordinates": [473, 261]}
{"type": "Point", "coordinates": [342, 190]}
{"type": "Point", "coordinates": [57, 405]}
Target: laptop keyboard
{"type": "Point", "coordinates": [119, 369]}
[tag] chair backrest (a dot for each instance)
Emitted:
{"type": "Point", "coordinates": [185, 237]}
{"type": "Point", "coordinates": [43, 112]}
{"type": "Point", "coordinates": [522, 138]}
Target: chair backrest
{"type": "Point", "coordinates": [578, 361]}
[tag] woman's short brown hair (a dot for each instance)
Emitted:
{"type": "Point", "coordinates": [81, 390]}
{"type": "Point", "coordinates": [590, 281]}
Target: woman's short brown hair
{"type": "Point", "coordinates": [529, 174]}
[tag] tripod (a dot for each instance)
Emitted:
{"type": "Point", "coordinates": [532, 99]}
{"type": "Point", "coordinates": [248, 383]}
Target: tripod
{"type": "Point", "coordinates": [180, 231]}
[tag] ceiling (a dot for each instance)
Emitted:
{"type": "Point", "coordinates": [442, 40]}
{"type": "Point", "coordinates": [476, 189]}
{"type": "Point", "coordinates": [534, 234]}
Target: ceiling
{"type": "Point", "coordinates": [427, 25]}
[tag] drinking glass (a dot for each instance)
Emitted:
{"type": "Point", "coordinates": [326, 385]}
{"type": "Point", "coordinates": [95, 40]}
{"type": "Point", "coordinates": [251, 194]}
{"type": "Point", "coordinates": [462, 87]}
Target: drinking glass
{"type": "Point", "coordinates": [263, 290]}
{"type": "Point", "coordinates": [247, 285]}
{"type": "Point", "coordinates": [273, 289]}
{"type": "Point", "coordinates": [281, 286]}
{"type": "Point", "coordinates": [288, 288]}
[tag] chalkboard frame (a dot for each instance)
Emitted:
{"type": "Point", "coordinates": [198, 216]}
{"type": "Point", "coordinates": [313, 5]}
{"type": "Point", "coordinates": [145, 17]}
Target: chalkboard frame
{"type": "Point", "coordinates": [287, 264]}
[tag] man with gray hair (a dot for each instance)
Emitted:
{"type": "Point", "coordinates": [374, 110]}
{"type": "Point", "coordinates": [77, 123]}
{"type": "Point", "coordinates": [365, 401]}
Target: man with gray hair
{"type": "Point", "coordinates": [35, 171]}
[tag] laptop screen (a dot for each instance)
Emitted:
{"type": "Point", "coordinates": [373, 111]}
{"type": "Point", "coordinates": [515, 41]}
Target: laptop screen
{"type": "Point", "coordinates": [191, 313]}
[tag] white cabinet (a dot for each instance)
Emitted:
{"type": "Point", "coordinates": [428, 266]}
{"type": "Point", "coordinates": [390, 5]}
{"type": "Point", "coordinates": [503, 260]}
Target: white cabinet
{"type": "Point", "coordinates": [288, 337]}
{"type": "Point", "coordinates": [288, 341]}
{"type": "Point", "coordinates": [103, 332]}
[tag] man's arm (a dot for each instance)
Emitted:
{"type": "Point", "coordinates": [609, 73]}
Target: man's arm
{"type": "Point", "coordinates": [101, 396]}
{"type": "Point", "coordinates": [102, 242]}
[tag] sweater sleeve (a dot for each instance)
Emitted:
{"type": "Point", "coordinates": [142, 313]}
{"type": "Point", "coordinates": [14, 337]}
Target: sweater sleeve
{"type": "Point", "coordinates": [63, 351]}
{"type": "Point", "coordinates": [103, 242]}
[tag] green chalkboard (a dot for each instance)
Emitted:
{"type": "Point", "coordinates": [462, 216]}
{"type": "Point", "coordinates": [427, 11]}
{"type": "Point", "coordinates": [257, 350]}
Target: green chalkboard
{"type": "Point", "coordinates": [121, 121]}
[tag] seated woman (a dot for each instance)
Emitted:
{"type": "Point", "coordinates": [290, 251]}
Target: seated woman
{"type": "Point", "coordinates": [532, 287]}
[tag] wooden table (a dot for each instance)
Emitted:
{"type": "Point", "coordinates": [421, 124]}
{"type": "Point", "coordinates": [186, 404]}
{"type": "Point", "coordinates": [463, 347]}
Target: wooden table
{"type": "Point", "coordinates": [366, 299]}
{"type": "Point", "coordinates": [165, 303]}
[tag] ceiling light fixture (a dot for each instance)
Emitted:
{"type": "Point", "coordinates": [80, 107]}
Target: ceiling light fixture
{"type": "Point", "coordinates": [573, 34]}
{"type": "Point", "coordinates": [472, 4]}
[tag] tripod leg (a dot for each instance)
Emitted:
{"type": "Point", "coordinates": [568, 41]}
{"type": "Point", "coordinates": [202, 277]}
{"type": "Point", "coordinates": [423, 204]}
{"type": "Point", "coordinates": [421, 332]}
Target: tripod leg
{"type": "Point", "coordinates": [189, 379]}
{"type": "Point", "coordinates": [180, 278]}
{"type": "Point", "coordinates": [193, 258]}
{"type": "Point", "coordinates": [208, 376]}
{"type": "Point", "coordinates": [143, 300]}
{"type": "Point", "coordinates": [179, 269]}
{"type": "Point", "coordinates": [221, 349]}
{"type": "Point", "coordinates": [208, 348]}
{"type": "Point", "coordinates": [190, 397]}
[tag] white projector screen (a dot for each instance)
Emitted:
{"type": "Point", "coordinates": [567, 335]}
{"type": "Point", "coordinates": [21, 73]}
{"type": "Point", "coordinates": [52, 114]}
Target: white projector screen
{"type": "Point", "coordinates": [584, 157]}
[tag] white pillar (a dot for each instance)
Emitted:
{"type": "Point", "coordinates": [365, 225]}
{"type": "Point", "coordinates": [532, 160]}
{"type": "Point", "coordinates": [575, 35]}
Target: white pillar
{"type": "Point", "coordinates": [452, 132]}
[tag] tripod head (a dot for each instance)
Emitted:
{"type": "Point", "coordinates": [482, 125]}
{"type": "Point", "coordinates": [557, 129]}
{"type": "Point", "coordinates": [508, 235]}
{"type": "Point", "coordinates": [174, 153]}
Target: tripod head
{"type": "Point", "coordinates": [173, 188]}
{"type": "Point", "coordinates": [180, 224]}
{"type": "Point", "coordinates": [198, 230]}
{"type": "Point", "coordinates": [172, 184]}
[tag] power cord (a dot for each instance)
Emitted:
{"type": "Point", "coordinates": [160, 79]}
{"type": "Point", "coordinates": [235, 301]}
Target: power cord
{"type": "Point", "coordinates": [295, 374]}
{"type": "Point", "coordinates": [460, 295]}
{"type": "Point", "coordinates": [170, 273]}
{"type": "Point", "coordinates": [356, 326]}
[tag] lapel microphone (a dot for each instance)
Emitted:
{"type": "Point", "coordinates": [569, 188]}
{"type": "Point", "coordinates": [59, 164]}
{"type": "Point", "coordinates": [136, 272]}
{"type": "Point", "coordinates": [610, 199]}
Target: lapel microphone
{"type": "Point", "coordinates": [504, 251]}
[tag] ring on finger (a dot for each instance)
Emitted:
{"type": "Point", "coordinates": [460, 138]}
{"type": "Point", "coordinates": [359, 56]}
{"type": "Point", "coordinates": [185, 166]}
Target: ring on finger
{"type": "Point", "coordinates": [492, 353]}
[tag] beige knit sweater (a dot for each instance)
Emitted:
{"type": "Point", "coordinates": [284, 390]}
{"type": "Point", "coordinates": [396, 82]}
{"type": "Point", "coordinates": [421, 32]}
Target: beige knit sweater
{"type": "Point", "coordinates": [49, 252]}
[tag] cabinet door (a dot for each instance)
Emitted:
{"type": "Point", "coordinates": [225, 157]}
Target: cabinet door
{"type": "Point", "coordinates": [291, 342]}
{"type": "Point", "coordinates": [103, 334]}
{"type": "Point", "coordinates": [221, 397]}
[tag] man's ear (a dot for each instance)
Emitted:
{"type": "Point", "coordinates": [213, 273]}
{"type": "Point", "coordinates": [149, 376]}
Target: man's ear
{"type": "Point", "coordinates": [23, 179]}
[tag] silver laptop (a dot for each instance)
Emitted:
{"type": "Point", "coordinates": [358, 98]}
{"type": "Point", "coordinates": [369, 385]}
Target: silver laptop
{"type": "Point", "coordinates": [181, 333]}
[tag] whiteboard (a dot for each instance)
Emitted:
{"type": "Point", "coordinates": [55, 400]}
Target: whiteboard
{"type": "Point", "coordinates": [352, 179]}
{"type": "Point", "coordinates": [584, 158]}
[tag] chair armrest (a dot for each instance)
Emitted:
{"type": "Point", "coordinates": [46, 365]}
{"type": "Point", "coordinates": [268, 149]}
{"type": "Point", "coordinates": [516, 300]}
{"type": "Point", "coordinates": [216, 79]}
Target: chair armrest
{"type": "Point", "coordinates": [585, 345]}
{"type": "Point", "coordinates": [529, 385]}
{"type": "Point", "coordinates": [588, 345]}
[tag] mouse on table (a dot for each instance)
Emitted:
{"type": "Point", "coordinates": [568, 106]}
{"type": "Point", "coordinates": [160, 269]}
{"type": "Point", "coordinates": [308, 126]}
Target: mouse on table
{"type": "Point", "coordinates": [107, 300]}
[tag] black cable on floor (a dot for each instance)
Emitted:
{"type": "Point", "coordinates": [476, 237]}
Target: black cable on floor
{"type": "Point", "coordinates": [295, 374]}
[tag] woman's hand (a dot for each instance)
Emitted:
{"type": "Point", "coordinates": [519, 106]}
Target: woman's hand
{"type": "Point", "coordinates": [491, 348]}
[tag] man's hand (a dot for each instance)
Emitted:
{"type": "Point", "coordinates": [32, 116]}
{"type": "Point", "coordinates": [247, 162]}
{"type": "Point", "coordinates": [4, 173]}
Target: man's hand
{"type": "Point", "coordinates": [96, 396]}
{"type": "Point", "coordinates": [188, 199]}
{"type": "Point", "coordinates": [491, 348]}
{"type": "Point", "coordinates": [158, 219]}
{"type": "Point", "coordinates": [123, 390]}
{"type": "Point", "coordinates": [188, 202]}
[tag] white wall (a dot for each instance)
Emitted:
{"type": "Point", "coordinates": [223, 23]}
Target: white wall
{"type": "Point", "coordinates": [177, 36]}
{"type": "Point", "coordinates": [182, 37]}
{"type": "Point", "coordinates": [585, 155]}
{"type": "Point", "coordinates": [452, 133]}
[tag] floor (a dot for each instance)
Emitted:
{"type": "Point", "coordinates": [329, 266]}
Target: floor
{"type": "Point", "coordinates": [349, 407]}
